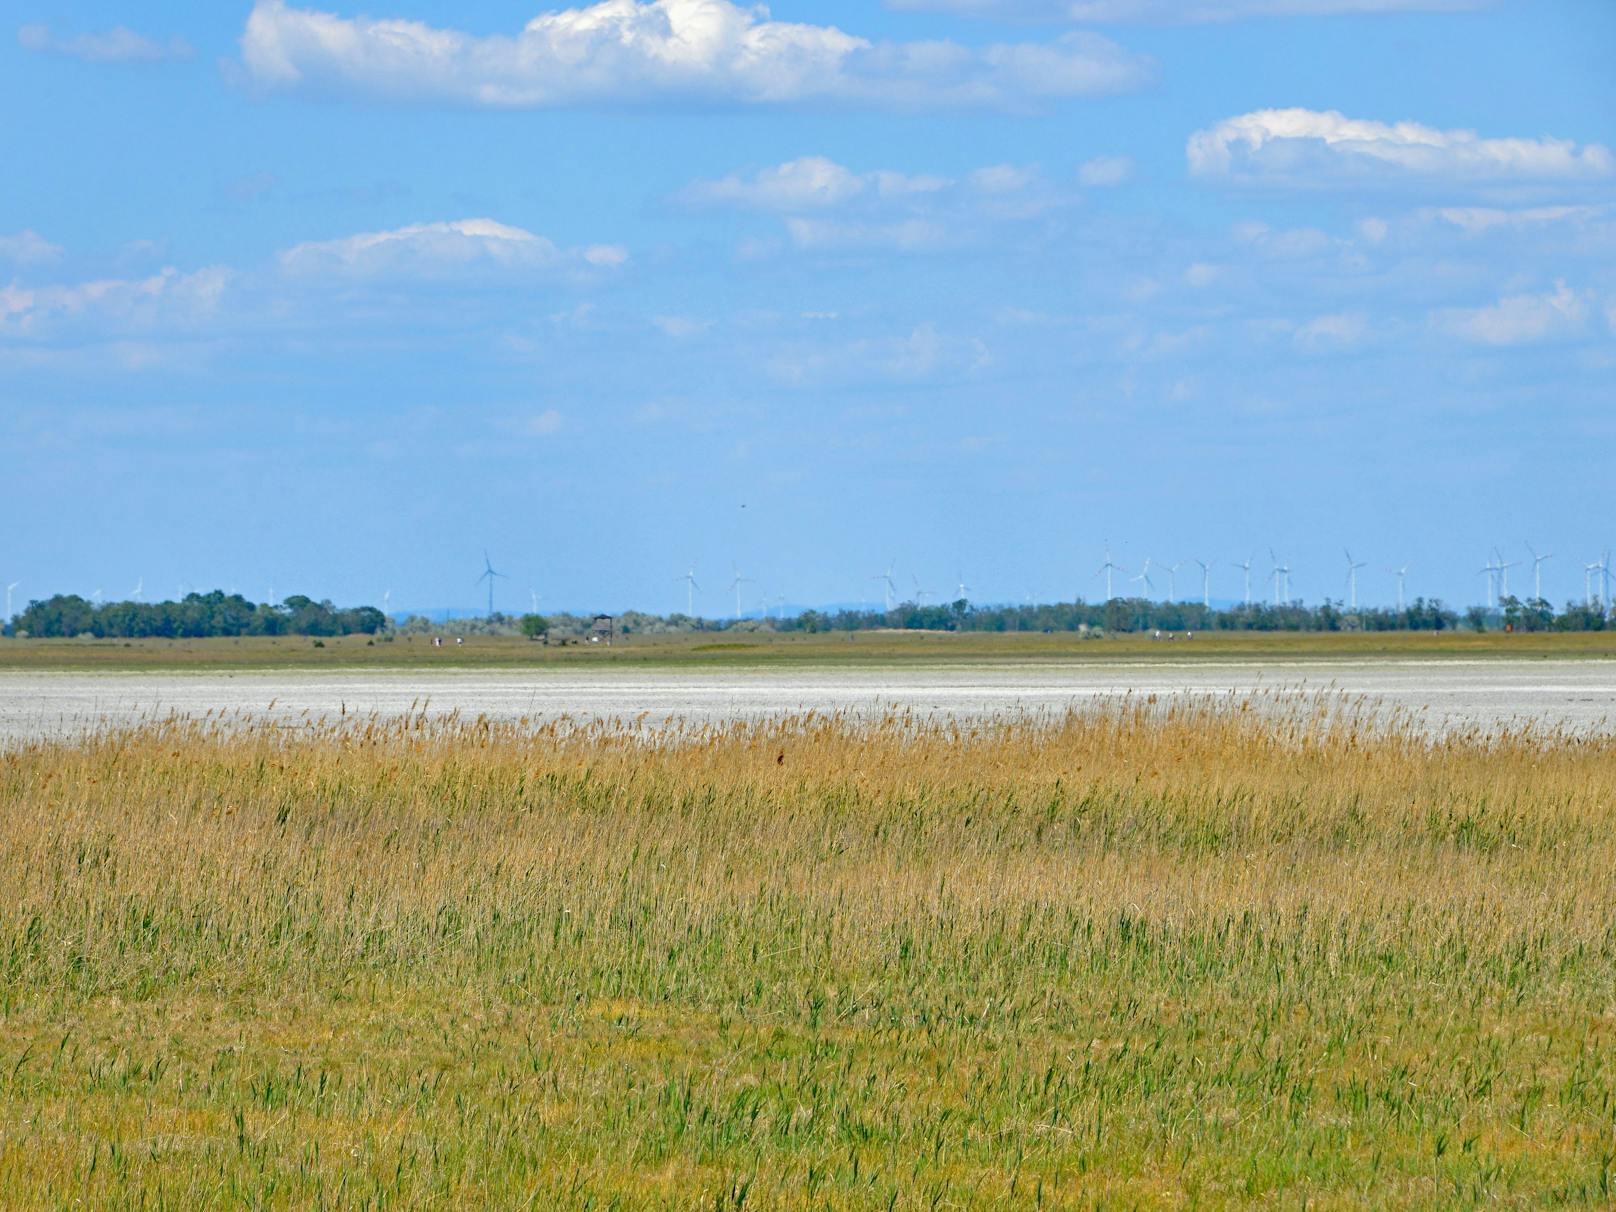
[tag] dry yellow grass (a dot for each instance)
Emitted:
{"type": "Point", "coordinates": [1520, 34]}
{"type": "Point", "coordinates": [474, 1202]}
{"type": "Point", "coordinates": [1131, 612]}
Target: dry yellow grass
{"type": "Point", "coordinates": [1160, 955]}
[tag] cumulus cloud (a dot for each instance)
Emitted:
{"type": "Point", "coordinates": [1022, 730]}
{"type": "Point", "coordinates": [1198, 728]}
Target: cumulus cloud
{"type": "Point", "coordinates": [923, 353]}
{"type": "Point", "coordinates": [809, 183]}
{"type": "Point", "coordinates": [629, 52]}
{"type": "Point", "coordinates": [680, 328]}
{"type": "Point", "coordinates": [1520, 319]}
{"type": "Point", "coordinates": [1289, 244]}
{"type": "Point", "coordinates": [119, 45]}
{"type": "Point", "coordinates": [542, 425]}
{"type": "Point", "coordinates": [464, 248]}
{"type": "Point", "coordinates": [28, 247]}
{"type": "Point", "coordinates": [1104, 171]}
{"type": "Point", "coordinates": [1303, 147]}
{"type": "Point", "coordinates": [1478, 220]}
{"type": "Point", "coordinates": [1175, 11]}
{"type": "Point", "coordinates": [1341, 330]}
{"type": "Point", "coordinates": [123, 303]}
{"type": "Point", "coordinates": [826, 206]}
{"type": "Point", "coordinates": [904, 235]}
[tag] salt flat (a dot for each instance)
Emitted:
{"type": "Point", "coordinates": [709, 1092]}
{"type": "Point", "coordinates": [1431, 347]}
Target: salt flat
{"type": "Point", "coordinates": [1578, 694]}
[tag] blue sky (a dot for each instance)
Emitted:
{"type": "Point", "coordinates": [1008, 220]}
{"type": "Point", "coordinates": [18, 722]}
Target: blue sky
{"type": "Point", "coordinates": [329, 300]}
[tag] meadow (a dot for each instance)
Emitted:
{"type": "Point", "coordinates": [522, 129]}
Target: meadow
{"type": "Point", "coordinates": [1158, 955]}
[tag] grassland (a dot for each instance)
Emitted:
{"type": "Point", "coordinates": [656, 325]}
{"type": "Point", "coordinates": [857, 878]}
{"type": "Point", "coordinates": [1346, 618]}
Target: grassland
{"type": "Point", "coordinates": [1152, 957]}
{"type": "Point", "coordinates": [765, 649]}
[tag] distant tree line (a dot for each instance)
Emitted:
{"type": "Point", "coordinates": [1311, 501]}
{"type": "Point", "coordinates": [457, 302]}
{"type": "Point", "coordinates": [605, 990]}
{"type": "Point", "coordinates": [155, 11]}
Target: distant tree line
{"type": "Point", "coordinates": [219, 614]}
{"type": "Point", "coordinates": [1129, 615]}
{"type": "Point", "coordinates": [197, 616]}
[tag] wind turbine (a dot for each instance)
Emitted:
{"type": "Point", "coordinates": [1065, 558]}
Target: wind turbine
{"type": "Point", "coordinates": [1282, 580]}
{"type": "Point", "coordinates": [10, 589]}
{"type": "Point", "coordinates": [1206, 583]}
{"type": "Point", "coordinates": [736, 586]}
{"type": "Point", "coordinates": [1537, 572]}
{"type": "Point", "coordinates": [1110, 567]}
{"type": "Point", "coordinates": [1402, 579]}
{"type": "Point", "coordinates": [387, 605]}
{"type": "Point", "coordinates": [1352, 577]}
{"type": "Point", "coordinates": [1490, 571]}
{"type": "Point", "coordinates": [888, 584]}
{"type": "Point", "coordinates": [963, 589]}
{"type": "Point", "coordinates": [920, 594]}
{"type": "Point", "coordinates": [1172, 581]}
{"type": "Point", "coordinates": [1246, 568]}
{"type": "Point", "coordinates": [140, 588]}
{"type": "Point", "coordinates": [690, 590]}
{"type": "Point", "coordinates": [1604, 572]}
{"type": "Point", "coordinates": [96, 596]}
{"type": "Point", "coordinates": [1588, 571]}
{"type": "Point", "coordinates": [1503, 571]}
{"type": "Point", "coordinates": [1144, 577]}
{"type": "Point", "coordinates": [489, 575]}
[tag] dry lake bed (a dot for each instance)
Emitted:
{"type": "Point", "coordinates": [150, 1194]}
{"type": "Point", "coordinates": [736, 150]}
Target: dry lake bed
{"type": "Point", "coordinates": [1446, 693]}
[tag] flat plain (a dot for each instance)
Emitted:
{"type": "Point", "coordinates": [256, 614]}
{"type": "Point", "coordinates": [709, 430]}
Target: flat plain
{"type": "Point", "coordinates": [1447, 682]}
{"type": "Point", "coordinates": [1209, 946]}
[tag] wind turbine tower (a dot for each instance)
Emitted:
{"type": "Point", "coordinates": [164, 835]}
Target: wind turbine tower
{"type": "Point", "coordinates": [1206, 583]}
{"type": "Point", "coordinates": [10, 589]}
{"type": "Point", "coordinates": [140, 588]}
{"type": "Point", "coordinates": [1490, 571]}
{"type": "Point", "coordinates": [1503, 572]}
{"type": "Point", "coordinates": [1246, 568]}
{"type": "Point", "coordinates": [1352, 578]}
{"type": "Point", "coordinates": [1537, 572]}
{"type": "Point", "coordinates": [1402, 579]}
{"type": "Point", "coordinates": [736, 586]}
{"type": "Point", "coordinates": [690, 590]}
{"type": "Point", "coordinates": [1172, 581]}
{"type": "Point", "coordinates": [1144, 578]}
{"type": "Point", "coordinates": [1110, 567]}
{"type": "Point", "coordinates": [490, 576]}
{"type": "Point", "coordinates": [962, 589]}
{"type": "Point", "coordinates": [887, 584]}
{"type": "Point", "coordinates": [1282, 580]}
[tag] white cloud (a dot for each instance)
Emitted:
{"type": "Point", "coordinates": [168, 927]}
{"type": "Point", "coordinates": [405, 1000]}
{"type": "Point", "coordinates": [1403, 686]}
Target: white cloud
{"type": "Point", "coordinates": [165, 297]}
{"type": "Point", "coordinates": [542, 425]}
{"type": "Point", "coordinates": [119, 45]}
{"type": "Point", "coordinates": [1003, 179]}
{"type": "Point", "coordinates": [28, 247]}
{"type": "Point", "coordinates": [680, 328]}
{"type": "Point", "coordinates": [1342, 330]}
{"type": "Point", "coordinates": [1520, 319]}
{"type": "Point", "coordinates": [1477, 220]}
{"type": "Point", "coordinates": [1303, 146]}
{"type": "Point", "coordinates": [467, 247]}
{"type": "Point", "coordinates": [1176, 11]}
{"type": "Point", "coordinates": [903, 235]}
{"type": "Point", "coordinates": [809, 183]}
{"type": "Point", "coordinates": [1373, 230]}
{"type": "Point", "coordinates": [1201, 275]}
{"type": "Point", "coordinates": [826, 206]}
{"type": "Point", "coordinates": [1105, 171]}
{"type": "Point", "coordinates": [1288, 244]}
{"type": "Point", "coordinates": [627, 52]}
{"type": "Point", "coordinates": [923, 353]}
